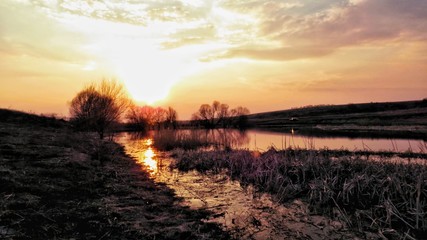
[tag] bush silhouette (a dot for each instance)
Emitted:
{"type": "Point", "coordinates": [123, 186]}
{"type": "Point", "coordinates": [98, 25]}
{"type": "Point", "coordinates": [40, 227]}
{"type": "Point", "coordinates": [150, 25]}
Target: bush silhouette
{"type": "Point", "coordinates": [99, 106]}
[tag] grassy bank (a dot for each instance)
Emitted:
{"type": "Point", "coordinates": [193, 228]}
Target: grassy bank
{"type": "Point", "coordinates": [389, 119]}
{"type": "Point", "coordinates": [57, 184]}
{"type": "Point", "coordinates": [379, 196]}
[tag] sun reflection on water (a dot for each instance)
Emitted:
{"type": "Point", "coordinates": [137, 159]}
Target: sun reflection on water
{"type": "Point", "coordinates": [148, 157]}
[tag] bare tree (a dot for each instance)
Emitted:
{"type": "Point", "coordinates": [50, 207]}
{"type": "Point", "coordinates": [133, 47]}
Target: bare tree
{"type": "Point", "coordinates": [138, 118]}
{"type": "Point", "coordinates": [171, 117]}
{"type": "Point", "coordinates": [217, 114]}
{"type": "Point", "coordinates": [159, 116]}
{"type": "Point", "coordinates": [223, 115]}
{"type": "Point", "coordinates": [147, 112]}
{"type": "Point", "coordinates": [205, 115]}
{"type": "Point", "coordinates": [99, 106]}
{"type": "Point", "coordinates": [239, 116]}
{"type": "Point", "coordinates": [147, 116]}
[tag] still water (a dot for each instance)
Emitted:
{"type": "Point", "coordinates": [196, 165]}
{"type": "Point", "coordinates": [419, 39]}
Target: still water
{"type": "Point", "coordinates": [263, 140]}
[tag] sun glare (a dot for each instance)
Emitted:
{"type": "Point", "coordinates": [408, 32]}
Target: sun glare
{"type": "Point", "coordinates": [136, 54]}
{"type": "Point", "coordinates": [133, 54]}
{"type": "Point", "coordinates": [147, 72]}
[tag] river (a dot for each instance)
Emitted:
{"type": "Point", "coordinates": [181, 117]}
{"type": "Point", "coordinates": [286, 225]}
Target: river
{"type": "Point", "coordinates": [263, 140]}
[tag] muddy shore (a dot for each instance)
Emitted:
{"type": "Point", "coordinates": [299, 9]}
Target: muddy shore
{"type": "Point", "coordinates": [57, 184]}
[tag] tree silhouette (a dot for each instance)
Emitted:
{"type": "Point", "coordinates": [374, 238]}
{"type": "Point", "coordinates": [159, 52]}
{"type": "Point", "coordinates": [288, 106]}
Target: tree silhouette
{"type": "Point", "coordinates": [159, 117]}
{"type": "Point", "coordinates": [138, 118]}
{"type": "Point", "coordinates": [142, 118]}
{"type": "Point", "coordinates": [99, 106]}
{"type": "Point", "coordinates": [217, 114]}
{"type": "Point", "coordinates": [239, 117]}
{"type": "Point", "coordinates": [171, 118]}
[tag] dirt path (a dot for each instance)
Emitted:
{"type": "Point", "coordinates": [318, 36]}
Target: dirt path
{"type": "Point", "coordinates": [56, 184]}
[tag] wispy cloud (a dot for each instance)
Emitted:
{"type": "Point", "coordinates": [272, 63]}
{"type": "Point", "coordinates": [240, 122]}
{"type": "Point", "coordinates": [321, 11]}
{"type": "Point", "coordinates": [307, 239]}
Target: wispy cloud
{"type": "Point", "coordinates": [25, 31]}
{"type": "Point", "coordinates": [312, 29]}
{"type": "Point", "coordinates": [264, 29]}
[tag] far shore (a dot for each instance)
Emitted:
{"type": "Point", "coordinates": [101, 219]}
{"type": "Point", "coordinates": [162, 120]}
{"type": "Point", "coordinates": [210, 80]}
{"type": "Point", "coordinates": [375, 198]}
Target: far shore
{"type": "Point", "coordinates": [353, 131]}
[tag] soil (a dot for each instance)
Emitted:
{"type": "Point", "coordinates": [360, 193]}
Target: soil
{"type": "Point", "coordinates": [57, 184]}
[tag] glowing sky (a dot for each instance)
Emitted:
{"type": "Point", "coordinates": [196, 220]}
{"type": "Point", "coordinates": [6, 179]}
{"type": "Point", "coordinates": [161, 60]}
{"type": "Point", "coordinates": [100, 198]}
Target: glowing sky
{"type": "Point", "coordinates": [265, 55]}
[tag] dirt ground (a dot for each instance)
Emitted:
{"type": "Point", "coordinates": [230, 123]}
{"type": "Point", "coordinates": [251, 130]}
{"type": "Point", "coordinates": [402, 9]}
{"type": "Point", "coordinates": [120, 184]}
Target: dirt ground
{"type": "Point", "coordinates": [56, 184]}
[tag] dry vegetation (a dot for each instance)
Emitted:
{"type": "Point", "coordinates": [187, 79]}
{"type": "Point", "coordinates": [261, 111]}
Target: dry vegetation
{"type": "Point", "coordinates": [56, 184]}
{"type": "Point", "coordinates": [168, 140]}
{"type": "Point", "coordinates": [378, 196]}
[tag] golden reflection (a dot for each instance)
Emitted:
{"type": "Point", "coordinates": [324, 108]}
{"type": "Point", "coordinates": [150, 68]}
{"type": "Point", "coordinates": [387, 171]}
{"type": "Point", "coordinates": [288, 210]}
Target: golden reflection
{"type": "Point", "coordinates": [149, 142]}
{"type": "Point", "coordinates": [148, 156]}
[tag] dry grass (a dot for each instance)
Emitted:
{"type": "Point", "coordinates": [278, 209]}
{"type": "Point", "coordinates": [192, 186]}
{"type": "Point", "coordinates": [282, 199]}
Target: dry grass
{"type": "Point", "coordinates": [389, 198]}
{"type": "Point", "coordinates": [56, 184]}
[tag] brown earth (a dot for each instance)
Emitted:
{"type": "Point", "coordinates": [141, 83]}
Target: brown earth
{"type": "Point", "coordinates": [57, 184]}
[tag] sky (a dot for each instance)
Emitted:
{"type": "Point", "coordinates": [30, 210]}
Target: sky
{"type": "Point", "coordinates": [260, 54]}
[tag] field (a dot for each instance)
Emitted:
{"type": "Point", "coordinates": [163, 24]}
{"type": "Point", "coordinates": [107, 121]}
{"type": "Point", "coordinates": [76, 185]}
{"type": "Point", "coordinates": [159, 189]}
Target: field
{"type": "Point", "coordinates": [399, 119]}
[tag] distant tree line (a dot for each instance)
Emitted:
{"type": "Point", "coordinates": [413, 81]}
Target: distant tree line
{"type": "Point", "coordinates": [220, 115]}
{"type": "Point", "coordinates": [101, 106]}
{"type": "Point", "coordinates": [147, 117]}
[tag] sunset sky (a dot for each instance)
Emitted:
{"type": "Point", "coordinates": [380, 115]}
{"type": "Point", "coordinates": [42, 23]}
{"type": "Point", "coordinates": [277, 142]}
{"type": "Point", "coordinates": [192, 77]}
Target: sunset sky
{"type": "Point", "coordinates": [264, 55]}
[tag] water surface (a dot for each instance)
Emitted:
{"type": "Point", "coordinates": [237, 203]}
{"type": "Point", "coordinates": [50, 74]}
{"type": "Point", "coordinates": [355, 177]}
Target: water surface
{"type": "Point", "coordinates": [263, 140]}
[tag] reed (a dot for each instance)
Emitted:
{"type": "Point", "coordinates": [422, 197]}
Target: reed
{"type": "Point", "coordinates": [367, 195]}
{"type": "Point", "coordinates": [167, 140]}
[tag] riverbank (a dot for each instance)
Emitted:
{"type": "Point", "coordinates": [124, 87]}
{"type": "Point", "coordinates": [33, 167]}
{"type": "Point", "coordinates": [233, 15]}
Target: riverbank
{"type": "Point", "coordinates": [57, 184]}
{"type": "Point", "coordinates": [370, 193]}
{"type": "Point", "coordinates": [352, 131]}
{"type": "Point", "coordinates": [390, 119]}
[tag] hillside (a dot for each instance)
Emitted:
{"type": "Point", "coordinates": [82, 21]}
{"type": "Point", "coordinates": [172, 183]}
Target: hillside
{"type": "Point", "coordinates": [407, 118]}
{"type": "Point", "coordinates": [23, 118]}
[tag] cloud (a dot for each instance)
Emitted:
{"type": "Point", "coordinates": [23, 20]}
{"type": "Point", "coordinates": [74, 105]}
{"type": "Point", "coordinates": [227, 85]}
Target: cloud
{"type": "Point", "coordinates": [21, 36]}
{"type": "Point", "coordinates": [120, 11]}
{"type": "Point", "coordinates": [131, 12]}
{"type": "Point", "coordinates": [313, 29]}
{"type": "Point", "coordinates": [274, 54]}
{"type": "Point", "coordinates": [189, 36]}
{"type": "Point", "coordinates": [366, 22]}
{"type": "Point", "coordinates": [258, 29]}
